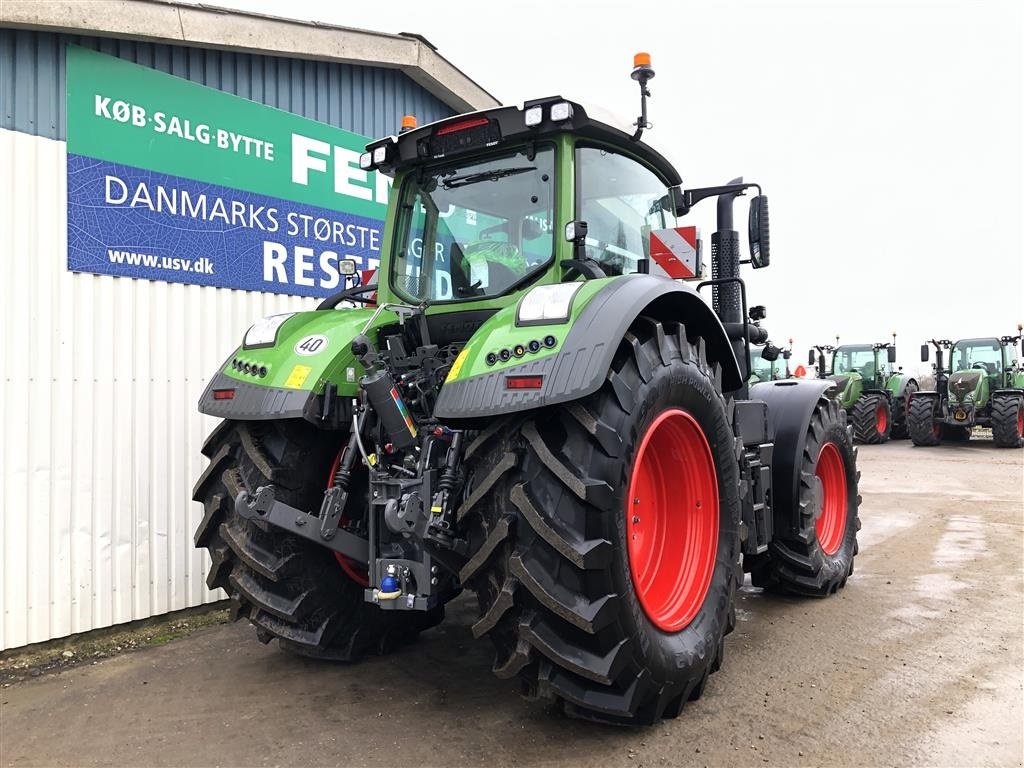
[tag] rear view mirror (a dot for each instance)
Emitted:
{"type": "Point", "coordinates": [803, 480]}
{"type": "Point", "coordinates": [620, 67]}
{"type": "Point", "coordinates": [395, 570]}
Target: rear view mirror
{"type": "Point", "coordinates": [892, 354]}
{"type": "Point", "coordinates": [757, 231]}
{"type": "Point", "coordinates": [810, 357]}
{"type": "Point", "coordinates": [924, 353]}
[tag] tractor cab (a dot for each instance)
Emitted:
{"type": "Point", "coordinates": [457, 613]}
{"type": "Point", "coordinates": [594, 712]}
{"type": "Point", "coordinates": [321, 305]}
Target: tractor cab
{"type": "Point", "coordinates": [986, 355]}
{"type": "Point", "coordinates": [865, 361]}
{"type": "Point", "coordinates": [484, 202]}
{"type": "Point", "coordinates": [768, 366]}
{"type": "Point", "coordinates": [979, 366]}
{"type": "Point", "coordinates": [495, 203]}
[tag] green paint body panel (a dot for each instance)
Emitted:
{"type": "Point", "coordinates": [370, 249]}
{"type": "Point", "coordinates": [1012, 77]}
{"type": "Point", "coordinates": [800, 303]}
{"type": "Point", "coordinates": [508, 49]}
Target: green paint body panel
{"type": "Point", "coordinates": [328, 365]}
{"type": "Point", "coordinates": [501, 332]}
{"type": "Point", "coordinates": [978, 396]}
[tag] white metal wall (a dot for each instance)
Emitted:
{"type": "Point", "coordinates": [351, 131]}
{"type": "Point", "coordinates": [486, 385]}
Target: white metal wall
{"type": "Point", "coordinates": [100, 433]}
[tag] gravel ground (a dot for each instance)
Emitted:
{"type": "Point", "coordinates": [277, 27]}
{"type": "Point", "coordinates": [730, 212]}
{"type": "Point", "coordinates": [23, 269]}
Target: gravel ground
{"type": "Point", "coordinates": [917, 662]}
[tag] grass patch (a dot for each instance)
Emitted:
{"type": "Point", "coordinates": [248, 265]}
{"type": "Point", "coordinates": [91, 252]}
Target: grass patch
{"type": "Point", "coordinates": [20, 664]}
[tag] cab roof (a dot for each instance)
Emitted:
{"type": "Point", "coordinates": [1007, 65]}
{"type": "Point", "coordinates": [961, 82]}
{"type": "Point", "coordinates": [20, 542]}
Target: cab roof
{"type": "Point", "coordinates": [489, 128]}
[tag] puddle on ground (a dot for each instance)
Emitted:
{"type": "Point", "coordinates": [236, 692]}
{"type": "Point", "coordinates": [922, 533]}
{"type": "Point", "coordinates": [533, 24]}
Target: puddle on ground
{"type": "Point", "coordinates": [963, 541]}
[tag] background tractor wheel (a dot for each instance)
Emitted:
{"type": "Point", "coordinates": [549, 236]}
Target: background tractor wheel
{"type": "Point", "coordinates": [614, 603]}
{"type": "Point", "coordinates": [924, 429]}
{"type": "Point", "coordinates": [817, 559]}
{"type": "Point", "coordinates": [289, 588]}
{"type": "Point", "coordinates": [871, 419]}
{"type": "Point", "coordinates": [954, 433]}
{"type": "Point", "coordinates": [900, 407]}
{"type": "Point", "coordinates": [1008, 421]}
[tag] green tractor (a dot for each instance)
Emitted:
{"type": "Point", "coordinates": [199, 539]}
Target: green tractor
{"type": "Point", "coordinates": [534, 405]}
{"type": "Point", "coordinates": [866, 382]}
{"type": "Point", "coordinates": [983, 385]}
{"type": "Point", "coordinates": [772, 364]}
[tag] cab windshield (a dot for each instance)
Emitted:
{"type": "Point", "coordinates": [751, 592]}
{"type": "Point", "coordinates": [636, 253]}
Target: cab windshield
{"type": "Point", "coordinates": [859, 358]}
{"type": "Point", "coordinates": [476, 229]}
{"type": "Point", "coordinates": [976, 354]}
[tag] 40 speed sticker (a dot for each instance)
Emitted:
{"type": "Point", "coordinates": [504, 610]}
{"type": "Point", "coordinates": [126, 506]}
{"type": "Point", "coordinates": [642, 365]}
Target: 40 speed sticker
{"type": "Point", "coordinates": [311, 345]}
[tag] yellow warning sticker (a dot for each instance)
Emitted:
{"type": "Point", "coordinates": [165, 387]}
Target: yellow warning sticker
{"type": "Point", "coordinates": [298, 376]}
{"type": "Point", "coordinates": [457, 365]}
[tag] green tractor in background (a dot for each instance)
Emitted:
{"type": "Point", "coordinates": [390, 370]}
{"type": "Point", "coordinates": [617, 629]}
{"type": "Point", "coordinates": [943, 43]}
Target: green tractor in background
{"type": "Point", "coordinates": [771, 364]}
{"type": "Point", "coordinates": [866, 382]}
{"type": "Point", "coordinates": [534, 404]}
{"type": "Point", "coordinates": [983, 385]}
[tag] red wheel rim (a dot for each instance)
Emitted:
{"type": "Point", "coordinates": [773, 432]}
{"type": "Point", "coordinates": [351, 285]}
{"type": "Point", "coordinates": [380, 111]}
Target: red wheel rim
{"type": "Point", "coordinates": [351, 568]}
{"type": "Point", "coordinates": [672, 520]}
{"type": "Point", "coordinates": [936, 429]}
{"type": "Point", "coordinates": [1020, 420]}
{"type": "Point", "coordinates": [881, 419]}
{"type": "Point", "coordinates": [831, 524]}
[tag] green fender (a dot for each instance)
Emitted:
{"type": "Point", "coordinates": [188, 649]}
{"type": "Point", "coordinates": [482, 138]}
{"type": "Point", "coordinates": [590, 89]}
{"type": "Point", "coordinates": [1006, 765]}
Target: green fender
{"type": "Point", "coordinates": [897, 384]}
{"type": "Point", "coordinates": [287, 377]}
{"type": "Point", "coordinates": [580, 356]}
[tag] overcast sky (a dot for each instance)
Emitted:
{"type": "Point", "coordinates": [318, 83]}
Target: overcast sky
{"type": "Point", "coordinates": [887, 135]}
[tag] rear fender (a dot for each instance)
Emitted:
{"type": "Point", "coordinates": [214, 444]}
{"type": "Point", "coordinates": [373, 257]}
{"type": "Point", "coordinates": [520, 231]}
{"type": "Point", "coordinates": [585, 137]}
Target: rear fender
{"type": "Point", "coordinates": [897, 385]}
{"type": "Point", "coordinates": [791, 404]}
{"type": "Point", "coordinates": [311, 351]}
{"type": "Point", "coordinates": [578, 363]}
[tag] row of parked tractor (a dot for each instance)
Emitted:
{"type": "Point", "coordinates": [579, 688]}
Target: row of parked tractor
{"type": "Point", "coordinates": [977, 383]}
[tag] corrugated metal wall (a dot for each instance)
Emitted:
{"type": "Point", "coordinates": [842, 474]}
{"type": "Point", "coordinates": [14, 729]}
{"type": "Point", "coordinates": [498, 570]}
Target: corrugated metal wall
{"type": "Point", "coordinates": [365, 100]}
{"type": "Point", "coordinates": [100, 375]}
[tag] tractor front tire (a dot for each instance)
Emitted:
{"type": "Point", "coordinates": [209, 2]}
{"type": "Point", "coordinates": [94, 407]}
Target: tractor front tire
{"type": "Point", "coordinates": [816, 559]}
{"type": "Point", "coordinates": [1008, 421]}
{"type": "Point", "coordinates": [871, 419]}
{"type": "Point", "coordinates": [290, 588]}
{"type": "Point", "coordinates": [924, 429]}
{"type": "Point", "coordinates": [605, 535]}
{"type": "Point", "coordinates": [900, 408]}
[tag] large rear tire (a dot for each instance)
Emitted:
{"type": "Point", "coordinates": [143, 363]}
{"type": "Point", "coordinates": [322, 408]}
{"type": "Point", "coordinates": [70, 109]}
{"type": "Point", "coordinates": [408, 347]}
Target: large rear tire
{"type": "Point", "coordinates": [288, 587]}
{"type": "Point", "coordinates": [924, 429]}
{"type": "Point", "coordinates": [817, 558]}
{"type": "Point", "coordinates": [871, 419]}
{"type": "Point", "coordinates": [1008, 421]}
{"type": "Point", "coordinates": [900, 408]}
{"type": "Point", "coordinates": [615, 604]}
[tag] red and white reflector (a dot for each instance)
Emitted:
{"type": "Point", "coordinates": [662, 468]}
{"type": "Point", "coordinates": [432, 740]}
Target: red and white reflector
{"type": "Point", "coordinates": [524, 382]}
{"type": "Point", "coordinates": [675, 251]}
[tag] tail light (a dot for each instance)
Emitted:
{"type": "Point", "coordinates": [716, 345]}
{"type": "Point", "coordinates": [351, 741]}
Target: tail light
{"type": "Point", "coordinates": [524, 382]}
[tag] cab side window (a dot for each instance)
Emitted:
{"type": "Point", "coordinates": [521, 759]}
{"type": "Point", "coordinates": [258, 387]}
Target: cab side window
{"type": "Point", "coordinates": [621, 201]}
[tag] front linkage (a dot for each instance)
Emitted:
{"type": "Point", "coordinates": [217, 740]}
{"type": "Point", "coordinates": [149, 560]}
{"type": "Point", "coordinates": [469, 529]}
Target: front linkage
{"type": "Point", "coordinates": [413, 463]}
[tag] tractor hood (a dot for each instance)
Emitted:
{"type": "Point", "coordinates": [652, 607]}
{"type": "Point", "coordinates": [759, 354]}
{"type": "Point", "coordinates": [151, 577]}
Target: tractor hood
{"type": "Point", "coordinates": [964, 385]}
